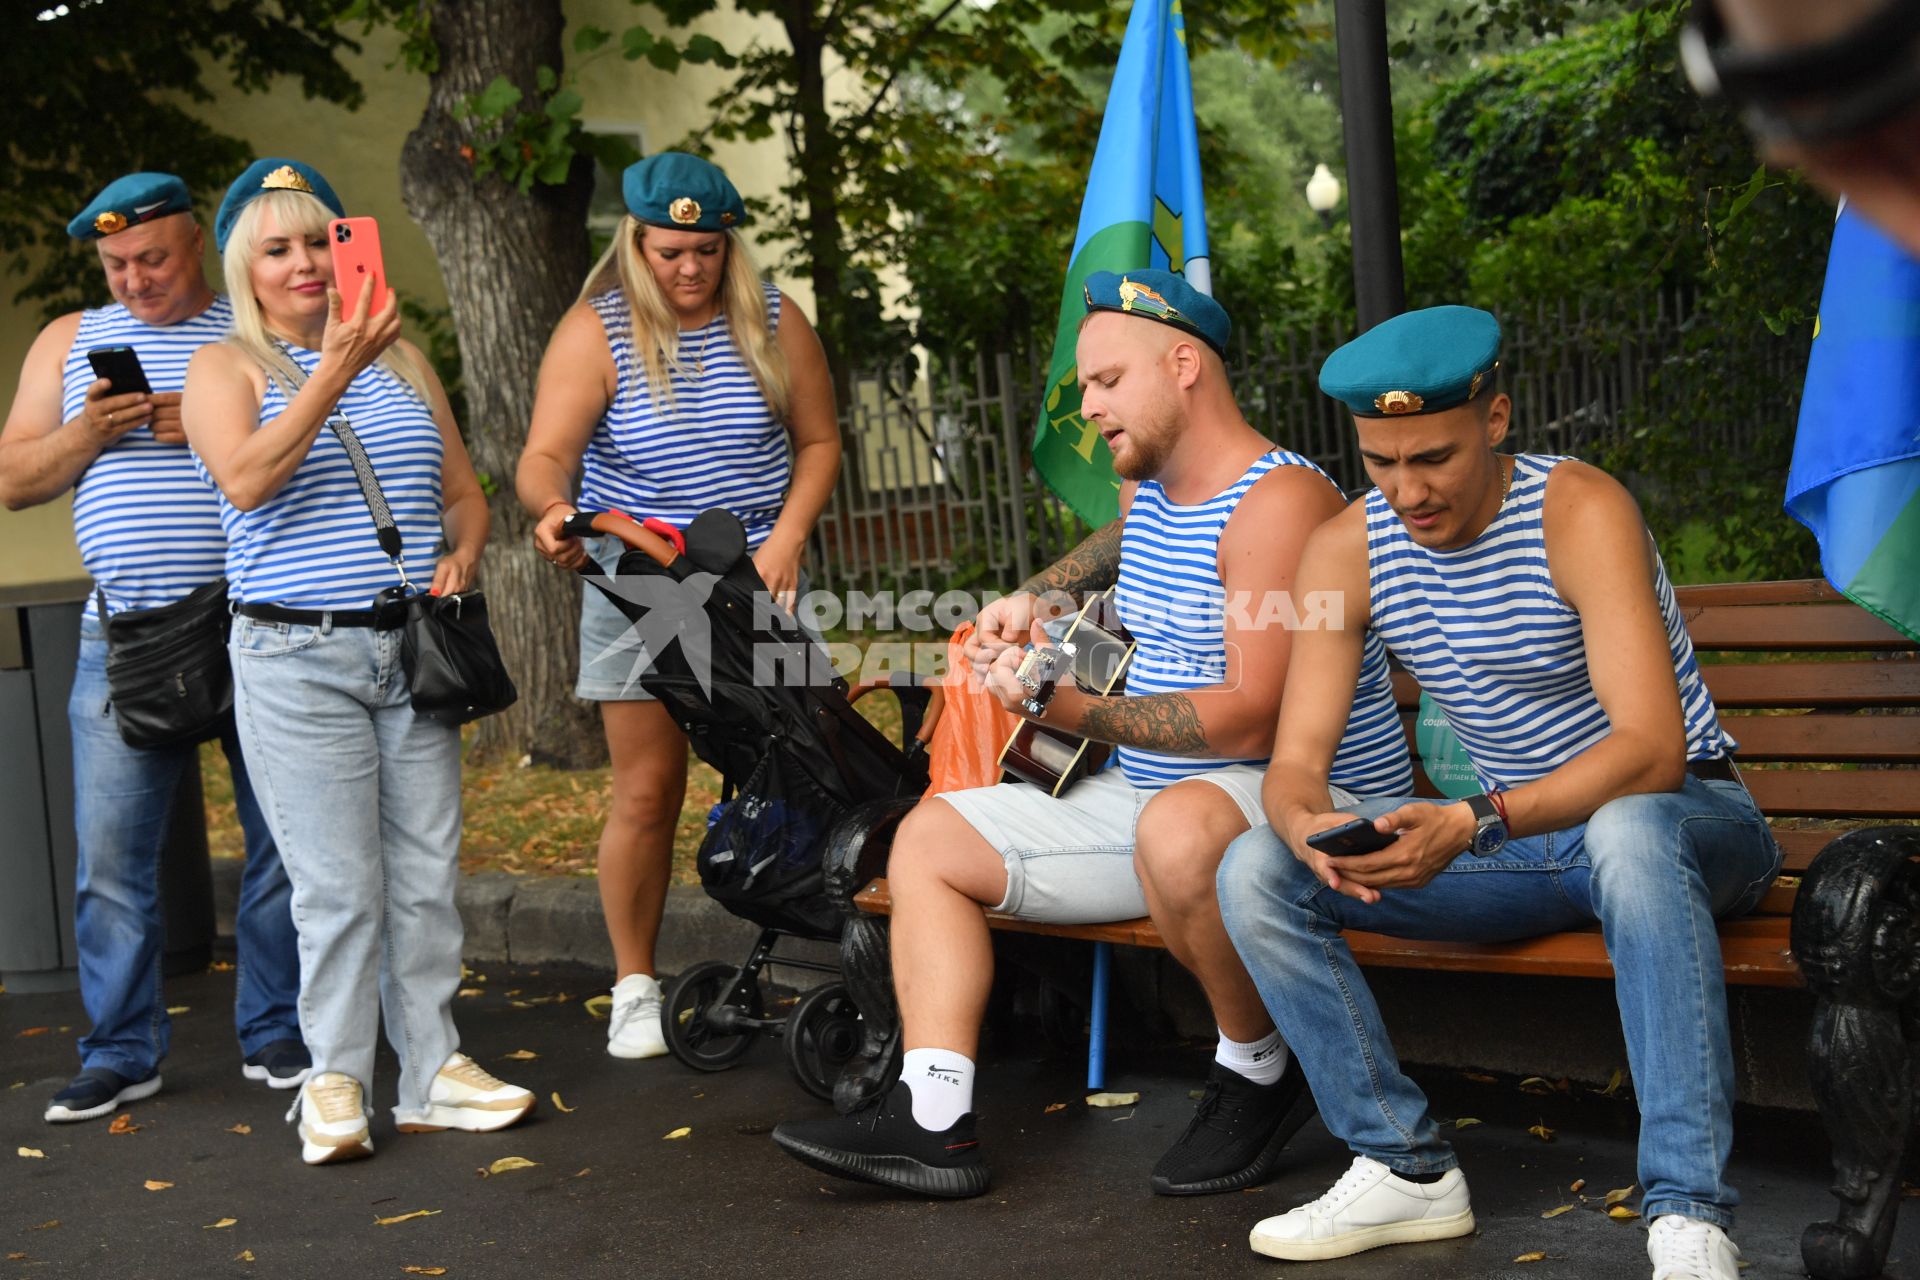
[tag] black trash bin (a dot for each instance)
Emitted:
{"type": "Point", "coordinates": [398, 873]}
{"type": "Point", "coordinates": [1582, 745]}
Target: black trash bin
{"type": "Point", "coordinates": [39, 644]}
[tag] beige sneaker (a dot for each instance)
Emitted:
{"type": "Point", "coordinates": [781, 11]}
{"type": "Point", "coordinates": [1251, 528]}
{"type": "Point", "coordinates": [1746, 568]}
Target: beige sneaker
{"type": "Point", "coordinates": [333, 1119]}
{"type": "Point", "coordinates": [466, 1096]}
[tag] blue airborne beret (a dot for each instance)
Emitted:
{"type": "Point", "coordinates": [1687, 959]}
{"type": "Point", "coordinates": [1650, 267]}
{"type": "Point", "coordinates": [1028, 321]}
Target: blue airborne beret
{"type": "Point", "coordinates": [1417, 362]}
{"type": "Point", "coordinates": [136, 198]}
{"type": "Point", "coordinates": [682, 192]}
{"type": "Point", "coordinates": [1162, 296]}
{"type": "Point", "coordinates": [270, 175]}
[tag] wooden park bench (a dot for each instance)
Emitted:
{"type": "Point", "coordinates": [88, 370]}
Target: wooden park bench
{"type": "Point", "coordinates": [1822, 698]}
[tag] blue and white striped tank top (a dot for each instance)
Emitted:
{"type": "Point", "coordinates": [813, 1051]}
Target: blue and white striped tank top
{"type": "Point", "coordinates": [312, 545]}
{"type": "Point", "coordinates": [715, 443]}
{"type": "Point", "coordinates": [147, 522]}
{"type": "Point", "coordinates": [1171, 599]}
{"type": "Point", "coordinates": [1503, 656]}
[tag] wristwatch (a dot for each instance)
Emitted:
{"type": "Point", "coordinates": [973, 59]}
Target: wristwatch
{"type": "Point", "coordinates": [1489, 828]}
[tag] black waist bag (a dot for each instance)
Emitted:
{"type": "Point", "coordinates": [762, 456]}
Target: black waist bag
{"type": "Point", "coordinates": [167, 669]}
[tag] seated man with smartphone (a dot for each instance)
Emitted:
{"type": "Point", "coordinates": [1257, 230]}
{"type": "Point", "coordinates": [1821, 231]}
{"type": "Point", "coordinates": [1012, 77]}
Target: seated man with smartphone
{"type": "Point", "coordinates": [97, 414]}
{"type": "Point", "coordinates": [1525, 594]}
{"type": "Point", "coordinates": [1213, 519]}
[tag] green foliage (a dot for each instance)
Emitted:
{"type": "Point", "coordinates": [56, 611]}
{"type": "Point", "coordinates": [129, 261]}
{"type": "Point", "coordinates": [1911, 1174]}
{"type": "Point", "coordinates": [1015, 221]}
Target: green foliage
{"type": "Point", "coordinates": [103, 89]}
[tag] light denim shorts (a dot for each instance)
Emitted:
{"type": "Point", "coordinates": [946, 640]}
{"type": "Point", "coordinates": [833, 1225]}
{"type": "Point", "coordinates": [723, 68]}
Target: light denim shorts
{"type": "Point", "coordinates": [1070, 858]}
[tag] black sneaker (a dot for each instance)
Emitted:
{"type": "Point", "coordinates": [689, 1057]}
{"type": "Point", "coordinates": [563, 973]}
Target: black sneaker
{"type": "Point", "coordinates": [1237, 1134]}
{"type": "Point", "coordinates": [96, 1091]}
{"type": "Point", "coordinates": [283, 1064]}
{"type": "Point", "coordinates": [881, 1143]}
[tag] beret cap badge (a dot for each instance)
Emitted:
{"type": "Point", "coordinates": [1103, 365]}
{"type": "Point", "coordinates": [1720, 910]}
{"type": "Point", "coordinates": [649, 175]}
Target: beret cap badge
{"type": "Point", "coordinates": [286, 178]}
{"type": "Point", "coordinates": [109, 222]}
{"type": "Point", "coordinates": [1131, 292]}
{"type": "Point", "coordinates": [685, 210]}
{"type": "Point", "coordinates": [1398, 402]}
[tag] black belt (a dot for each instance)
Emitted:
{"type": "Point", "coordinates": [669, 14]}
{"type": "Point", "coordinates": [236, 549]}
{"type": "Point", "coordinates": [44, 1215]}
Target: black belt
{"type": "Point", "coordinates": [1718, 769]}
{"type": "Point", "coordinates": [378, 619]}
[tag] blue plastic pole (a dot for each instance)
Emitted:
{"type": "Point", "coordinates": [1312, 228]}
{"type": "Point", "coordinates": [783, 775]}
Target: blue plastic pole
{"type": "Point", "coordinates": [1097, 1033]}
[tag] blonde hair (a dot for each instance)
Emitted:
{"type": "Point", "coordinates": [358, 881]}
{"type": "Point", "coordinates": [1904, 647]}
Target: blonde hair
{"type": "Point", "coordinates": [656, 328]}
{"type": "Point", "coordinates": [298, 214]}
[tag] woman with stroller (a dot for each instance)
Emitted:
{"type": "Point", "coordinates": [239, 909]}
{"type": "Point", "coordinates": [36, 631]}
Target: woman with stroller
{"type": "Point", "coordinates": [362, 795]}
{"type": "Point", "coordinates": [679, 382]}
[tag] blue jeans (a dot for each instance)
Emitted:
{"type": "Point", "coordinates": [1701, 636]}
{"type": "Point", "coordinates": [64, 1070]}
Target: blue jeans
{"type": "Point", "coordinates": [123, 805]}
{"type": "Point", "coordinates": [1654, 870]}
{"type": "Point", "coordinates": [364, 799]}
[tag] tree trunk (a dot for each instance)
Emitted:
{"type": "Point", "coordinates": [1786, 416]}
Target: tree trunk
{"type": "Point", "coordinates": [512, 264]}
{"type": "Point", "coordinates": [818, 159]}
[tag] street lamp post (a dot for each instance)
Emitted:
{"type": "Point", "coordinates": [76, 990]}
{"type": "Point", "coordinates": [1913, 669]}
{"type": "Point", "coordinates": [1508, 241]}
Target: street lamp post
{"type": "Point", "coordinates": [1323, 193]}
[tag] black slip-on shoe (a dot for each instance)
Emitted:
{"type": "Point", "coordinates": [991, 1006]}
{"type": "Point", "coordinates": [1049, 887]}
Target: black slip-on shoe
{"type": "Point", "coordinates": [96, 1091]}
{"type": "Point", "coordinates": [1237, 1133]}
{"type": "Point", "coordinates": [880, 1143]}
{"type": "Point", "coordinates": [283, 1064]}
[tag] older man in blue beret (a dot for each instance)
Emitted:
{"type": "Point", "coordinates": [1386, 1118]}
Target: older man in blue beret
{"type": "Point", "coordinates": [1213, 519]}
{"type": "Point", "coordinates": [1527, 596]}
{"type": "Point", "coordinates": [149, 531]}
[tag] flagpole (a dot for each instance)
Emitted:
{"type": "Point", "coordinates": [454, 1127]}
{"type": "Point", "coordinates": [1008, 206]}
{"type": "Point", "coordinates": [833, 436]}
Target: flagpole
{"type": "Point", "coordinates": [1373, 193]}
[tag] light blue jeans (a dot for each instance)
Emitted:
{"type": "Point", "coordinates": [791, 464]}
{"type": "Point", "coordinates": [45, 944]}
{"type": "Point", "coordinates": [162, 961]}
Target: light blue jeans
{"type": "Point", "coordinates": [364, 800]}
{"type": "Point", "coordinates": [122, 810]}
{"type": "Point", "coordinates": [1654, 870]}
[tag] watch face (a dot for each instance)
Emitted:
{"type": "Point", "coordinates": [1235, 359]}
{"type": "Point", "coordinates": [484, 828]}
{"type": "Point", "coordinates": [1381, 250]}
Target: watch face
{"type": "Point", "coordinates": [1488, 839]}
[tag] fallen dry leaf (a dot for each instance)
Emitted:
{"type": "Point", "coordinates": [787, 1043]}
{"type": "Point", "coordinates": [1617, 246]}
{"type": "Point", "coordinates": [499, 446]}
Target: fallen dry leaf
{"type": "Point", "coordinates": [521, 1004]}
{"type": "Point", "coordinates": [1466, 1122]}
{"type": "Point", "coordinates": [1480, 1077]}
{"type": "Point", "coordinates": [220, 966]}
{"type": "Point", "coordinates": [48, 1225]}
{"type": "Point", "coordinates": [221, 1225]}
{"type": "Point", "coordinates": [1538, 1255]}
{"type": "Point", "coordinates": [1112, 1099]}
{"type": "Point", "coordinates": [584, 1172]}
{"type": "Point", "coordinates": [179, 1008]}
{"type": "Point", "coordinates": [681, 1132]}
{"type": "Point", "coordinates": [1541, 1132]}
{"type": "Point", "coordinates": [404, 1217]}
{"type": "Point", "coordinates": [16, 1257]}
{"type": "Point", "coordinates": [1536, 1084]}
{"type": "Point", "coordinates": [1620, 1213]}
{"type": "Point", "coordinates": [1055, 1106]}
{"type": "Point", "coordinates": [469, 992]}
{"type": "Point", "coordinates": [18, 1084]}
{"type": "Point", "coordinates": [1577, 1184]}
{"type": "Point", "coordinates": [1613, 1083]}
{"type": "Point", "coordinates": [154, 1184]}
{"type": "Point", "coordinates": [520, 1055]}
{"type": "Point", "coordinates": [1554, 1213]}
{"type": "Point", "coordinates": [598, 1006]}
{"type": "Point", "coordinates": [1618, 1194]}
{"type": "Point", "coordinates": [561, 1106]}
{"type": "Point", "coordinates": [34, 1031]}
{"type": "Point", "coordinates": [425, 1271]}
{"type": "Point", "coordinates": [32, 1153]}
{"type": "Point", "coordinates": [507, 1164]}
{"type": "Point", "coordinates": [242, 1129]}
{"type": "Point", "coordinates": [245, 1255]}
{"type": "Point", "coordinates": [123, 1123]}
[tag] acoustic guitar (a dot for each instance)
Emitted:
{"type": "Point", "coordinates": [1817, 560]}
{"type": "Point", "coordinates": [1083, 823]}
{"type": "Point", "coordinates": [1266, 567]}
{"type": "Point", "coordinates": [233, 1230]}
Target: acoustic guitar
{"type": "Point", "coordinates": [1096, 648]}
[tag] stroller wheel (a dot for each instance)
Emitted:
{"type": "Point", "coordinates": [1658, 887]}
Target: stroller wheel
{"type": "Point", "coordinates": [688, 1015]}
{"type": "Point", "coordinates": [823, 1034]}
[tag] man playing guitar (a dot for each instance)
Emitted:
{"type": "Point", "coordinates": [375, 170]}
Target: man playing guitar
{"type": "Point", "coordinates": [1213, 520]}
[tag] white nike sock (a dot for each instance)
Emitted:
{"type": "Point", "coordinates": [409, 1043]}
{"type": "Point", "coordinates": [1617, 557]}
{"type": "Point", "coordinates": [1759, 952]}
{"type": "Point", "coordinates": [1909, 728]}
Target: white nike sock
{"type": "Point", "coordinates": [1262, 1061]}
{"type": "Point", "coordinates": [942, 1085]}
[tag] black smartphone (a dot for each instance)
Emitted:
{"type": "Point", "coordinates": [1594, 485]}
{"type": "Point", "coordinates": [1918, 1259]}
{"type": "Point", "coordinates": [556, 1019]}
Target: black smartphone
{"type": "Point", "coordinates": [121, 367]}
{"type": "Point", "coordinates": [1352, 838]}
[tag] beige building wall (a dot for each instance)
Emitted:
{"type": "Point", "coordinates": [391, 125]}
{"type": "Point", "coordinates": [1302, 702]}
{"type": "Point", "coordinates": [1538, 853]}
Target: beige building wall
{"type": "Point", "coordinates": [359, 151]}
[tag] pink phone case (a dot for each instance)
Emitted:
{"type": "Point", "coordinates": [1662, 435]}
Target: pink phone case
{"type": "Point", "coordinates": [355, 245]}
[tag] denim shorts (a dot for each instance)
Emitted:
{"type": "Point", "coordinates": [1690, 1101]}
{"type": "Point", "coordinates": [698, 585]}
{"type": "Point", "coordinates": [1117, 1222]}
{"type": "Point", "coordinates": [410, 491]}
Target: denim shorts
{"type": "Point", "coordinates": [1070, 857]}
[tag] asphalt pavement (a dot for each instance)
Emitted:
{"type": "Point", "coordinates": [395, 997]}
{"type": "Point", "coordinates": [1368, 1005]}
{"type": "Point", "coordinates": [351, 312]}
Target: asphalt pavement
{"type": "Point", "coordinates": [207, 1180]}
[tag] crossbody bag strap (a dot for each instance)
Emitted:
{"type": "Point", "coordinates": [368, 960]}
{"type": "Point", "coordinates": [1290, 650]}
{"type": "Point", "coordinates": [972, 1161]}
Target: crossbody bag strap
{"type": "Point", "coordinates": [384, 527]}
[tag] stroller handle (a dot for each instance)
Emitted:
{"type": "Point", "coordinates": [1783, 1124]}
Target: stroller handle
{"type": "Point", "coordinates": [584, 524]}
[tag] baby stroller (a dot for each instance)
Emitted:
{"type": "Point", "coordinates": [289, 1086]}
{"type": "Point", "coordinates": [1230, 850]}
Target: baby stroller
{"type": "Point", "coordinates": [760, 702]}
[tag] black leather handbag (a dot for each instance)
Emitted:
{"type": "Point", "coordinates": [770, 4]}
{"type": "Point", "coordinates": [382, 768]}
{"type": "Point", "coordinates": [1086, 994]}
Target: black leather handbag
{"type": "Point", "coordinates": [168, 676]}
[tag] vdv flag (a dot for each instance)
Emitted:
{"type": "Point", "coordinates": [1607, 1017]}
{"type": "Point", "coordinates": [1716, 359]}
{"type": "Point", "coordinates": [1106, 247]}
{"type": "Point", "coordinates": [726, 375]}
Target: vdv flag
{"type": "Point", "coordinates": [1855, 479]}
{"type": "Point", "coordinates": [1143, 208]}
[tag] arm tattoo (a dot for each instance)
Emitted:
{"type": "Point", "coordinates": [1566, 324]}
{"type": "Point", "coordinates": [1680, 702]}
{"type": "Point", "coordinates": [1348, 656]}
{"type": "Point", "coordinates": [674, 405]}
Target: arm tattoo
{"type": "Point", "coordinates": [1094, 565]}
{"type": "Point", "coordinates": [1164, 722]}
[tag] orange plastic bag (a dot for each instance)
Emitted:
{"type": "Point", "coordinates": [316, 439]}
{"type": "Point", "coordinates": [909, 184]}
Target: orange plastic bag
{"type": "Point", "coordinates": [973, 727]}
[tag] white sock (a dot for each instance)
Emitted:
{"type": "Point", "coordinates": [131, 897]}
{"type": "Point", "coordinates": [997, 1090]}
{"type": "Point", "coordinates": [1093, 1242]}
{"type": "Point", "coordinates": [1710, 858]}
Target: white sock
{"type": "Point", "coordinates": [1263, 1061]}
{"type": "Point", "coordinates": [942, 1085]}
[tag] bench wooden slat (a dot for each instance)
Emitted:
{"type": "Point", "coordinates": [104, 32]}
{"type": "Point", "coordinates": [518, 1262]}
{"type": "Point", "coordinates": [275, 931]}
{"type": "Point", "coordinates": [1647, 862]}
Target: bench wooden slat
{"type": "Point", "coordinates": [1827, 737]}
{"type": "Point", "coordinates": [1893, 682]}
{"type": "Point", "coordinates": [1835, 793]}
{"type": "Point", "coordinates": [1784, 591]}
{"type": "Point", "coordinates": [1788, 627]}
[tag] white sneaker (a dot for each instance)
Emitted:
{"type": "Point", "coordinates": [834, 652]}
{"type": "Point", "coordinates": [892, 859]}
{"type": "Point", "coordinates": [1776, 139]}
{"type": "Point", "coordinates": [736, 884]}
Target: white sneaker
{"type": "Point", "coordinates": [333, 1119]}
{"type": "Point", "coordinates": [1689, 1249]}
{"type": "Point", "coordinates": [633, 1028]}
{"type": "Point", "coordinates": [466, 1096]}
{"type": "Point", "coordinates": [1369, 1206]}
